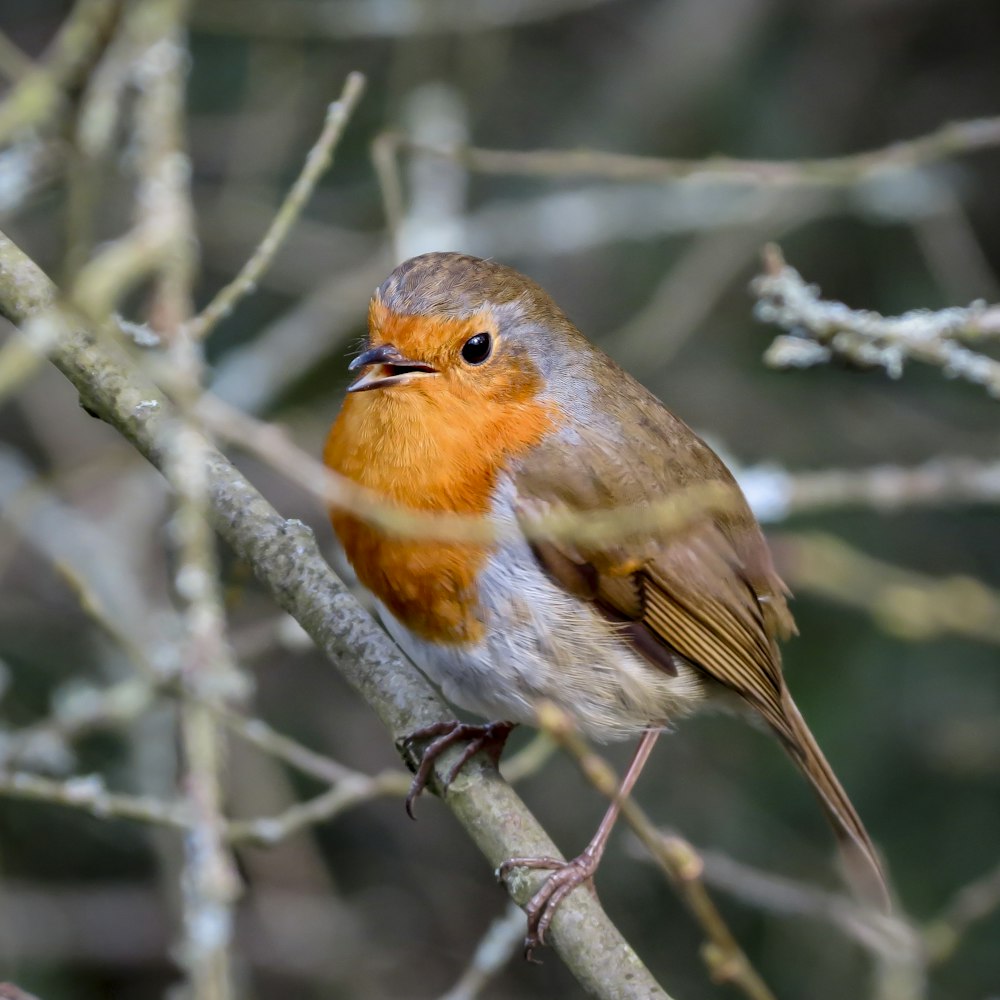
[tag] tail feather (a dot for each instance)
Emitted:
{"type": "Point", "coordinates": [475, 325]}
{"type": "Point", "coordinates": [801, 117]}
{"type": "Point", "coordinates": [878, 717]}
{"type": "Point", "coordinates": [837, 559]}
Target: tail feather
{"type": "Point", "coordinates": [863, 868]}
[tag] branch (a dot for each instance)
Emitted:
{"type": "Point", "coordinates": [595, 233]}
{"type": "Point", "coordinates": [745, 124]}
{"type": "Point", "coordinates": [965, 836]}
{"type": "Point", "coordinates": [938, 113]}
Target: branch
{"type": "Point", "coordinates": [776, 494]}
{"type": "Point", "coordinates": [726, 960]}
{"type": "Point", "coordinates": [907, 604]}
{"type": "Point", "coordinates": [40, 91]}
{"type": "Point", "coordinates": [317, 162]}
{"type": "Point", "coordinates": [972, 903]}
{"type": "Point", "coordinates": [286, 559]}
{"type": "Point", "coordinates": [821, 331]}
{"type": "Point", "coordinates": [270, 443]}
{"type": "Point", "coordinates": [209, 883]}
{"type": "Point", "coordinates": [842, 171]}
{"type": "Point", "coordinates": [502, 940]}
{"type": "Point", "coordinates": [88, 792]}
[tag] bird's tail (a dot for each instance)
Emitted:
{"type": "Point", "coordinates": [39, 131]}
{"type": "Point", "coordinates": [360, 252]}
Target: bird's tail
{"type": "Point", "coordinates": [863, 868]}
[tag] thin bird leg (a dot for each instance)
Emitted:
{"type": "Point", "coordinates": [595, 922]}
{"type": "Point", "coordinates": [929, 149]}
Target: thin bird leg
{"type": "Point", "coordinates": [567, 875]}
{"type": "Point", "coordinates": [489, 738]}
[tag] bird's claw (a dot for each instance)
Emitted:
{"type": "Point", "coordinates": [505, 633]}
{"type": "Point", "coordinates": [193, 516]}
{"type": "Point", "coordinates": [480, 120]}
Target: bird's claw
{"type": "Point", "coordinates": [541, 908]}
{"type": "Point", "coordinates": [489, 737]}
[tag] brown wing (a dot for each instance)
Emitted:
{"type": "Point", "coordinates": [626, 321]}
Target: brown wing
{"type": "Point", "coordinates": [708, 591]}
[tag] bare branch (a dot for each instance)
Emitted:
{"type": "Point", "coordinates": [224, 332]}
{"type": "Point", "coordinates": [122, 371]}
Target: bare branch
{"type": "Point", "coordinates": [776, 494]}
{"type": "Point", "coordinates": [89, 793]}
{"type": "Point", "coordinates": [972, 903]}
{"type": "Point", "coordinates": [726, 960]}
{"type": "Point", "coordinates": [41, 89]}
{"type": "Point", "coordinates": [502, 940]}
{"type": "Point", "coordinates": [907, 604]}
{"type": "Point", "coordinates": [317, 162]}
{"type": "Point", "coordinates": [950, 140]}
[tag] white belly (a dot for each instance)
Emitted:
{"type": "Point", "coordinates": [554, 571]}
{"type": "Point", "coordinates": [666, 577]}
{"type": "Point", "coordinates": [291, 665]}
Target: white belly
{"type": "Point", "coordinates": [542, 643]}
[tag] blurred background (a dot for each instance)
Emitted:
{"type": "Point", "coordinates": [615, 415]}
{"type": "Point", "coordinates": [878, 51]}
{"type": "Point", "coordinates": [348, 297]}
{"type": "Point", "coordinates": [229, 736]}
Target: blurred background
{"type": "Point", "coordinates": [903, 696]}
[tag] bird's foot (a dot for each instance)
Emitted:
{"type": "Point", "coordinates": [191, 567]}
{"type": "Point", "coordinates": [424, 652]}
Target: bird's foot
{"type": "Point", "coordinates": [541, 908]}
{"type": "Point", "coordinates": [489, 738]}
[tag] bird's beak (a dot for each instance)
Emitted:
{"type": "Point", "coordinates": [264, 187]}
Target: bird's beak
{"type": "Point", "coordinates": [387, 366]}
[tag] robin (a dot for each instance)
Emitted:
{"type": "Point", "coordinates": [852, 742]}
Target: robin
{"type": "Point", "coordinates": [478, 396]}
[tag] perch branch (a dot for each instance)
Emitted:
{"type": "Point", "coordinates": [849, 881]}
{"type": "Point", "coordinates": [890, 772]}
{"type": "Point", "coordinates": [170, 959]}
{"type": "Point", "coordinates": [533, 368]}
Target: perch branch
{"type": "Point", "coordinates": [286, 559]}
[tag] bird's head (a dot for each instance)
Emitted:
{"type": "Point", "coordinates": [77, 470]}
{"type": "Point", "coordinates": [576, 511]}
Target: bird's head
{"type": "Point", "coordinates": [446, 325]}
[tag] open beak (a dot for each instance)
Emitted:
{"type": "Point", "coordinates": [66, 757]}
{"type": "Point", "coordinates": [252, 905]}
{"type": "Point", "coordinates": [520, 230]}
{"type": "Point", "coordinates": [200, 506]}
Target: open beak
{"type": "Point", "coordinates": [386, 366]}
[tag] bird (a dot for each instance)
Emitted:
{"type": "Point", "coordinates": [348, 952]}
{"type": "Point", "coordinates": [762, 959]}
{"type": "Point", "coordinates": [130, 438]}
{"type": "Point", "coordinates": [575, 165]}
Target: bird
{"type": "Point", "coordinates": [477, 395]}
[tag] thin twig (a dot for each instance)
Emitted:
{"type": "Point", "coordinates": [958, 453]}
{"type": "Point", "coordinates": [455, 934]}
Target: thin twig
{"type": "Point", "coordinates": [726, 960]}
{"type": "Point", "coordinates": [949, 140]}
{"type": "Point", "coordinates": [776, 494]}
{"type": "Point", "coordinates": [269, 442]}
{"type": "Point", "coordinates": [210, 883]}
{"type": "Point", "coordinates": [907, 604]}
{"type": "Point", "coordinates": [39, 92]}
{"type": "Point", "coordinates": [317, 162]}
{"type": "Point", "coordinates": [90, 794]}
{"type": "Point", "coordinates": [972, 903]}
{"type": "Point", "coordinates": [346, 794]}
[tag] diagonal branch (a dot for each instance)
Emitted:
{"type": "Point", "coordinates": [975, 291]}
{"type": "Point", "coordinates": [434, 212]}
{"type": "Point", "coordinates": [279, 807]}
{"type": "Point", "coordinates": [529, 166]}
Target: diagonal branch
{"type": "Point", "coordinates": [286, 559]}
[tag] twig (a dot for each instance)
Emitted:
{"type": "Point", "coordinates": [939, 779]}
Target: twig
{"type": "Point", "coordinates": [39, 92]}
{"type": "Point", "coordinates": [877, 932]}
{"type": "Point", "coordinates": [909, 605]}
{"type": "Point", "coordinates": [14, 64]}
{"type": "Point", "coordinates": [949, 140]}
{"type": "Point", "coordinates": [776, 494]}
{"type": "Point", "coordinates": [820, 331]}
{"type": "Point", "coordinates": [210, 884]}
{"type": "Point", "coordinates": [269, 442]}
{"type": "Point", "coordinates": [723, 955]}
{"type": "Point", "coordinates": [972, 903]}
{"type": "Point", "coordinates": [90, 794]}
{"type": "Point", "coordinates": [251, 377]}
{"type": "Point", "coordinates": [317, 162]}
{"type": "Point", "coordinates": [285, 557]}
{"type": "Point", "coordinates": [346, 794]}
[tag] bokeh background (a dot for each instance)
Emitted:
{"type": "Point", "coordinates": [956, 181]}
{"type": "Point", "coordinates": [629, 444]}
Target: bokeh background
{"type": "Point", "coordinates": [373, 905]}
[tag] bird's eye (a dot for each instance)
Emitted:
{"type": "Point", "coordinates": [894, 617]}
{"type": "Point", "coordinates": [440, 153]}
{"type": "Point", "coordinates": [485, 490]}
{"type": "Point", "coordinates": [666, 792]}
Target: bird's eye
{"type": "Point", "coordinates": [477, 348]}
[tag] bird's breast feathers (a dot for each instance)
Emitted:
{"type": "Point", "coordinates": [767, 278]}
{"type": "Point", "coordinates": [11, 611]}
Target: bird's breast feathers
{"type": "Point", "coordinates": [535, 640]}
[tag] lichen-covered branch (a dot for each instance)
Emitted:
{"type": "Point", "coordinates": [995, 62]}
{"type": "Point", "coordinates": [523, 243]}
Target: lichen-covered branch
{"type": "Point", "coordinates": [820, 331]}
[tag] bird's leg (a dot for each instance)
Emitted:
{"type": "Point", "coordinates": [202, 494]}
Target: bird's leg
{"type": "Point", "coordinates": [489, 738]}
{"type": "Point", "coordinates": [567, 875]}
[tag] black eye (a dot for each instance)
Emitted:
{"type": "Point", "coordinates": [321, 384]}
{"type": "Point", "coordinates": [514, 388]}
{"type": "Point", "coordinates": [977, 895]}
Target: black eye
{"type": "Point", "coordinates": [477, 349]}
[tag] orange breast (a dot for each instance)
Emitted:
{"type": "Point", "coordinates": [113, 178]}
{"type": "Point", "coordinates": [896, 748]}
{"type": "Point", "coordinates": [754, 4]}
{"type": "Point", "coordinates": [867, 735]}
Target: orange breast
{"type": "Point", "coordinates": [432, 451]}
